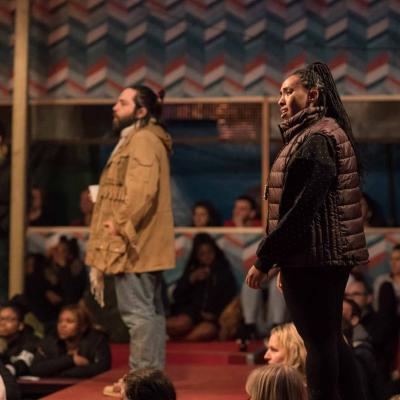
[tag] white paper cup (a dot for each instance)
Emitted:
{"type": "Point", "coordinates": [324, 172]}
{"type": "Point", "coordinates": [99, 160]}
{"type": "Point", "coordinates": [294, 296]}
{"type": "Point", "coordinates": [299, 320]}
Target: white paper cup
{"type": "Point", "coordinates": [93, 190]}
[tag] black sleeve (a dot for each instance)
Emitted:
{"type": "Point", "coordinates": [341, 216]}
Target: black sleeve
{"type": "Point", "coordinates": [73, 282]}
{"type": "Point", "coordinates": [183, 287]}
{"type": "Point", "coordinates": [385, 324]}
{"type": "Point", "coordinates": [22, 360]}
{"type": "Point", "coordinates": [387, 303]}
{"type": "Point", "coordinates": [222, 293]}
{"type": "Point", "coordinates": [10, 383]}
{"type": "Point", "coordinates": [101, 362]}
{"type": "Point", "coordinates": [314, 166]}
{"type": "Point", "coordinates": [21, 366]}
{"type": "Point", "coordinates": [48, 362]}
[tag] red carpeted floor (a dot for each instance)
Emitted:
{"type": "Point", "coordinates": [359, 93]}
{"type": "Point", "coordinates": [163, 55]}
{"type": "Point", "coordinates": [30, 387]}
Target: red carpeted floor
{"type": "Point", "coordinates": [206, 371]}
{"type": "Point", "coordinates": [192, 382]}
{"type": "Point", "coordinates": [210, 353]}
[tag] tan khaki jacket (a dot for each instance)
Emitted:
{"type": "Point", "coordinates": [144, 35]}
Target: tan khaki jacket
{"type": "Point", "coordinates": [135, 193]}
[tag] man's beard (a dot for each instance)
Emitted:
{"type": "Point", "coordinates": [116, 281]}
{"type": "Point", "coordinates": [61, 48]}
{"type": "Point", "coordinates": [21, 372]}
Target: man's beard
{"type": "Point", "coordinates": [120, 124]}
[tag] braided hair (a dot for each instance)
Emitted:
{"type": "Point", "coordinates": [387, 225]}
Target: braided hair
{"type": "Point", "coordinates": [318, 76]}
{"type": "Point", "coordinates": [147, 98]}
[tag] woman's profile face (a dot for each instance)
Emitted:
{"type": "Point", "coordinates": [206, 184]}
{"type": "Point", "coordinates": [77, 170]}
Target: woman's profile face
{"type": "Point", "coordinates": [275, 353]}
{"type": "Point", "coordinates": [206, 255]}
{"type": "Point", "coordinates": [294, 97]}
{"type": "Point", "coordinates": [200, 216]}
{"type": "Point", "coordinates": [67, 325]}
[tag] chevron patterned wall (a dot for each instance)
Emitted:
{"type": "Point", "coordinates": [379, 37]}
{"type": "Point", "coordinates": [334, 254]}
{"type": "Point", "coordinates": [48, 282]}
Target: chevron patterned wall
{"type": "Point", "coordinates": [203, 47]}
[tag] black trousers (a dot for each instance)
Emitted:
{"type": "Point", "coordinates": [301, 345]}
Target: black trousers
{"type": "Point", "coordinates": [314, 297]}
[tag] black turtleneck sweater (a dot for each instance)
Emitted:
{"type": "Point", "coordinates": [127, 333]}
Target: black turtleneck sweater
{"type": "Point", "coordinates": [309, 175]}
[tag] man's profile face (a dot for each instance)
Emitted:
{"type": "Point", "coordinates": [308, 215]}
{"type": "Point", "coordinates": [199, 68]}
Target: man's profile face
{"type": "Point", "coordinates": [124, 110]}
{"type": "Point", "coordinates": [357, 292]}
{"type": "Point", "coordinates": [243, 211]}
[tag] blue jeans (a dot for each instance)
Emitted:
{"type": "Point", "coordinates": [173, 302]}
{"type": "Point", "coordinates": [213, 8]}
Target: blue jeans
{"type": "Point", "coordinates": [140, 305]}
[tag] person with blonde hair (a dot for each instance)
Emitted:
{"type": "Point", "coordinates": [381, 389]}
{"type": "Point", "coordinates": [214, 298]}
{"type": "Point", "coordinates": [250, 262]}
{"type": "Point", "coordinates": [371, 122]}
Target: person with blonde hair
{"type": "Point", "coordinates": [276, 382]}
{"type": "Point", "coordinates": [285, 346]}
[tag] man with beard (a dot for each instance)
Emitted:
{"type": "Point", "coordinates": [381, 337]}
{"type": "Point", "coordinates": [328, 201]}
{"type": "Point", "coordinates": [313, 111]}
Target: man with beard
{"type": "Point", "coordinates": [131, 233]}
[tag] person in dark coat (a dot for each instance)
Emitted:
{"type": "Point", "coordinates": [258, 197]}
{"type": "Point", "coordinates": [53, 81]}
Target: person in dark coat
{"type": "Point", "coordinates": [77, 351]}
{"type": "Point", "coordinates": [65, 278]}
{"type": "Point", "coordinates": [18, 340]}
{"type": "Point", "coordinates": [387, 306]}
{"type": "Point", "coordinates": [205, 288]}
{"type": "Point", "coordinates": [373, 383]}
{"type": "Point", "coordinates": [315, 232]}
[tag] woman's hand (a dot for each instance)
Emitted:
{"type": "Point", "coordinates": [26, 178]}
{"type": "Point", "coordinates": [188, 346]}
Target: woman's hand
{"type": "Point", "coordinates": [110, 227]}
{"type": "Point", "coordinates": [199, 274]}
{"type": "Point", "coordinates": [279, 282]}
{"type": "Point", "coordinates": [79, 360]}
{"type": "Point", "coordinates": [255, 277]}
{"type": "Point", "coordinates": [52, 297]}
{"type": "Point", "coordinates": [207, 316]}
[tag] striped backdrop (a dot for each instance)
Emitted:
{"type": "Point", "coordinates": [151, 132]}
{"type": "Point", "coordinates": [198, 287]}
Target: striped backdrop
{"type": "Point", "coordinates": [81, 48]}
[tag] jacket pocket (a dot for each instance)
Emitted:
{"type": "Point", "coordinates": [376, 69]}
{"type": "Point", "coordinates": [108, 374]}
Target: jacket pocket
{"type": "Point", "coordinates": [113, 254]}
{"type": "Point", "coordinates": [121, 166]}
{"type": "Point", "coordinates": [116, 171]}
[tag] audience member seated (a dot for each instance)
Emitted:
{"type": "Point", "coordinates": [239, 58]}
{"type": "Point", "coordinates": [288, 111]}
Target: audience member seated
{"type": "Point", "coordinates": [358, 338]}
{"type": "Point", "coordinates": [244, 213]}
{"type": "Point", "coordinates": [204, 214]}
{"type": "Point", "coordinates": [370, 212]}
{"type": "Point", "coordinates": [36, 285]}
{"type": "Point", "coordinates": [276, 382]}
{"type": "Point", "coordinates": [18, 343]}
{"type": "Point", "coordinates": [387, 306]}
{"type": "Point", "coordinates": [78, 350]}
{"type": "Point", "coordinates": [147, 384]}
{"type": "Point", "coordinates": [358, 291]}
{"type": "Point", "coordinates": [65, 275]}
{"type": "Point", "coordinates": [205, 288]}
{"type": "Point", "coordinates": [37, 214]}
{"type": "Point", "coordinates": [285, 346]}
{"type": "Point", "coordinates": [86, 208]}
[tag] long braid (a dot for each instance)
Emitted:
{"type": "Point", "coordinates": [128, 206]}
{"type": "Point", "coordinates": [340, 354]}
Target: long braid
{"type": "Point", "coordinates": [318, 75]}
{"type": "Point", "coordinates": [335, 107]}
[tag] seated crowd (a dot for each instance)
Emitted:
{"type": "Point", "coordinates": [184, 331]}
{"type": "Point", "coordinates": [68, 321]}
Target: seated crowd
{"type": "Point", "coordinates": [77, 348]}
{"type": "Point", "coordinates": [204, 304]}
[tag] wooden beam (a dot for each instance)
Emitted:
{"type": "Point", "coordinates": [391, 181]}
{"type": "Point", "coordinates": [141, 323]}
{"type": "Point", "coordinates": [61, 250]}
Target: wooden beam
{"type": "Point", "coordinates": [19, 149]}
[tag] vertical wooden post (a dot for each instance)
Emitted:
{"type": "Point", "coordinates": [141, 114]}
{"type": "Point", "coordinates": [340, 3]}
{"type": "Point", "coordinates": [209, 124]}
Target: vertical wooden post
{"type": "Point", "coordinates": [19, 148]}
{"type": "Point", "coordinates": [265, 156]}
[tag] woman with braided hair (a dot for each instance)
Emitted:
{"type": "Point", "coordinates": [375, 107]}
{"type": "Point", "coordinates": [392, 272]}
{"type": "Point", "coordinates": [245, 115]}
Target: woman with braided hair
{"type": "Point", "coordinates": [315, 231]}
